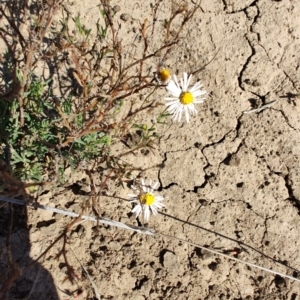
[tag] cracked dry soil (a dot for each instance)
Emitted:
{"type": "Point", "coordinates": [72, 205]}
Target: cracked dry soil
{"type": "Point", "coordinates": [227, 172]}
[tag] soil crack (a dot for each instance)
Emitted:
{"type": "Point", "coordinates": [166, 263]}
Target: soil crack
{"type": "Point", "coordinates": [291, 198]}
{"type": "Point", "coordinates": [253, 51]}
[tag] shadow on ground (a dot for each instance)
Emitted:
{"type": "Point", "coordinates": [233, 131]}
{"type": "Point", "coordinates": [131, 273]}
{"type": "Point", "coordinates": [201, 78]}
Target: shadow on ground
{"type": "Point", "coordinates": [18, 279]}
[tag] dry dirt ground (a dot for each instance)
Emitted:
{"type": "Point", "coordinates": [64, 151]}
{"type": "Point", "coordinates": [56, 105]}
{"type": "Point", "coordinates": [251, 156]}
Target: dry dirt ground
{"type": "Point", "coordinates": [226, 172]}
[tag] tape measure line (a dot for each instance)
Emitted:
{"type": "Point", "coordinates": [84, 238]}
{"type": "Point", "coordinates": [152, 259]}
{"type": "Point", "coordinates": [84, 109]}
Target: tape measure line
{"type": "Point", "coordinates": [143, 230]}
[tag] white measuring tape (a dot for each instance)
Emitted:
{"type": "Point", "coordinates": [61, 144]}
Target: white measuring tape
{"type": "Point", "coordinates": [142, 230]}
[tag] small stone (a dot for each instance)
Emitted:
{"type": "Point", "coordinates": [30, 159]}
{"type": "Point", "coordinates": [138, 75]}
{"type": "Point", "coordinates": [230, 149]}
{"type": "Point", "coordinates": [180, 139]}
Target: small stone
{"type": "Point", "coordinates": [170, 261]}
{"type": "Point", "coordinates": [125, 17]}
{"type": "Point", "coordinates": [116, 8]}
{"type": "Point", "coordinates": [116, 246]}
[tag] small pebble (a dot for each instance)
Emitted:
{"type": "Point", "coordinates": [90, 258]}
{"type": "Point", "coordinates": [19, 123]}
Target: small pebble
{"type": "Point", "coordinates": [116, 8]}
{"type": "Point", "coordinates": [170, 261]}
{"type": "Point", "coordinates": [125, 17]}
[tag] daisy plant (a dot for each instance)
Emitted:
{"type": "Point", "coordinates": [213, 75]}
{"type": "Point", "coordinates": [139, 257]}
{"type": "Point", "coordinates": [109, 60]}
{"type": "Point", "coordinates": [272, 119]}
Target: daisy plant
{"type": "Point", "coordinates": [146, 201]}
{"type": "Point", "coordinates": [183, 98]}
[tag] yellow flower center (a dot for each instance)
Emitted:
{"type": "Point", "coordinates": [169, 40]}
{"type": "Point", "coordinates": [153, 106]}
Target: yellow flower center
{"type": "Point", "coordinates": [163, 75]}
{"type": "Point", "coordinates": [186, 98]}
{"type": "Point", "coordinates": [146, 198]}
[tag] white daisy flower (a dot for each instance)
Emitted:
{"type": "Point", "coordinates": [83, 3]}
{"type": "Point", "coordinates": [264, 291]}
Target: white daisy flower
{"type": "Point", "coordinates": [183, 98]}
{"type": "Point", "coordinates": [146, 201]}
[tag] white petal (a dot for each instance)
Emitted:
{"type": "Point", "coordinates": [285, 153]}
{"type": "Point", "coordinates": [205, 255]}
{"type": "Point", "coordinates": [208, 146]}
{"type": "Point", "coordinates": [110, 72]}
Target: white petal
{"type": "Point", "coordinates": [176, 82]}
{"type": "Point", "coordinates": [192, 110]}
{"type": "Point", "coordinates": [187, 115]}
{"type": "Point", "coordinates": [198, 93]}
{"type": "Point", "coordinates": [159, 198]}
{"type": "Point", "coordinates": [172, 109]}
{"type": "Point", "coordinates": [172, 112]}
{"type": "Point", "coordinates": [199, 100]}
{"type": "Point", "coordinates": [143, 185]}
{"type": "Point", "coordinates": [155, 185]}
{"type": "Point", "coordinates": [137, 210]}
{"type": "Point", "coordinates": [153, 209]}
{"type": "Point", "coordinates": [177, 115]}
{"type": "Point", "coordinates": [196, 86]}
{"type": "Point", "coordinates": [188, 81]}
{"type": "Point", "coordinates": [172, 103]}
{"type": "Point", "coordinates": [146, 212]}
{"type": "Point", "coordinates": [184, 82]}
{"type": "Point", "coordinates": [158, 205]}
{"type": "Point", "coordinates": [132, 196]}
{"type": "Point", "coordinates": [173, 89]}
